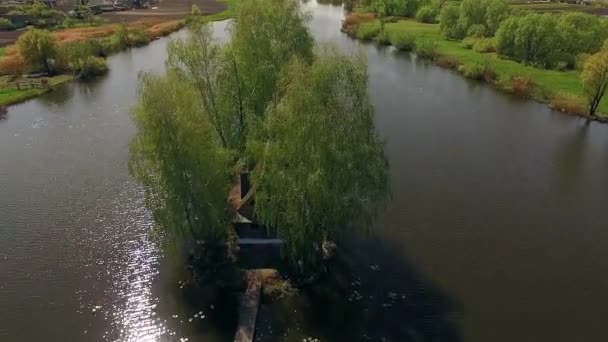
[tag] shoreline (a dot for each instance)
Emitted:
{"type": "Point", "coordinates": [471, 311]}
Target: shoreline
{"type": "Point", "coordinates": [155, 27]}
{"type": "Point", "coordinates": [559, 90]}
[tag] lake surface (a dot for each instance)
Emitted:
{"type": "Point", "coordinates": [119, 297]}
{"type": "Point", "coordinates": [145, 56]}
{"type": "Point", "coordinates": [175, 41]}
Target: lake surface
{"type": "Point", "coordinates": [496, 229]}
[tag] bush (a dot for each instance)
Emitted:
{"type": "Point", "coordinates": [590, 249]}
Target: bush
{"type": "Point", "coordinates": [110, 45]}
{"type": "Point", "coordinates": [38, 48]}
{"type": "Point", "coordinates": [468, 42]}
{"type": "Point", "coordinates": [368, 31]}
{"type": "Point", "coordinates": [448, 22]}
{"type": "Point", "coordinates": [474, 71]}
{"type": "Point", "coordinates": [6, 25]}
{"type": "Point", "coordinates": [382, 38]}
{"type": "Point", "coordinates": [426, 48]}
{"type": "Point", "coordinates": [484, 45]}
{"type": "Point", "coordinates": [522, 86]}
{"type": "Point", "coordinates": [93, 66]}
{"type": "Point", "coordinates": [138, 37]}
{"type": "Point", "coordinates": [195, 10]}
{"type": "Point", "coordinates": [404, 41]}
{"type": "Point", "coordinates": [448, 62]}
{"type": "Point", "coordinates": [69, 22]}
{"type": "Point", "coordinates": [13, 65]}
{"type": "Point", "coordinates": [427, 14]}
{"type": "Point", "coordinates": [477, 31]}
{"type": "Point", "coordinates": [569, 103]}
{"type": "Point", "coordinates": [581, 59]}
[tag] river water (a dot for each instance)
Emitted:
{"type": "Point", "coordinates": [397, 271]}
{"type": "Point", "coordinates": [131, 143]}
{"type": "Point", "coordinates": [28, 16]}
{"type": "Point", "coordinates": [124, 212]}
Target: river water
{"type": "Point", "coordinates": [496, 229]}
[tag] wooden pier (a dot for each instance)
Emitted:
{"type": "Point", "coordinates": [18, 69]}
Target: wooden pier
{"type": "Point", "coordinates": [250, 303]}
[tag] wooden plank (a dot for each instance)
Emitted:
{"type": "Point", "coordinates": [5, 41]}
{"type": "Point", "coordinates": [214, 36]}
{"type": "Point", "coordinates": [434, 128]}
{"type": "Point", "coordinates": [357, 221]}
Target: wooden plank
{"type": "Point", "coordinates": [254, 241]}
{"type": "Point", "coordinates": [248, 309]}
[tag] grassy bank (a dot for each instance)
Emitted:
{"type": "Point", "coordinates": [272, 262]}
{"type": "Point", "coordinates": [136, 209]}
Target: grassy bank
{"type": "Point", "coordinates": [106, 39]}
{"type": "Point", "coordinates": [560, 89]}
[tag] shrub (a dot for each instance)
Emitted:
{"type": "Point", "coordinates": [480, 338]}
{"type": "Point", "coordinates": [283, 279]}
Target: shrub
{"type": "Point", "coordinates": [368, 31]}
{"type": "Point", "coordinates": [522, 86]}
{"type": "Point", "coordinates": [474, 71]}
{"type": "Point", "coordinates": [448, 62]}
{"type": "Point", "coordinates": [581, 59]}
{"type": "Point", "coordinates": [448, 22]}
{"type": "Point", "coordinates": [477, 31]}
{"type": "Point", "coordinates": [484, 45]}
{"type": "Point", "coordinates": [13, 65]}
{"type": "Point", "coordinates": [138, 37]}
{"type": "Point", "coordinates": [426, 48]}
{"type": "Point", "coordinates": [382, 38]}
{"type": "Point", "coordinates": [93, 66]}
{"type": "Point", "coordinates": [6, 25]}
{"type": "Point", "coordinates": [110, 45]}
{"type": "Point", "coordinates": [404, 41]}
{"type": "Point", "coordinates": [69, 22]}
{"type": "Point", "coordinates": [195, 10]}
{"type": "Point", "coordinates": [468, 42]}
{"type": "Point", "coordinates": [570, 103]}
{"type": "Point", "coordinates": [121, 36]}
{"type": "Point", "coordinates": [38, 48]}
{"type": "Point", "coordinates": [427, 14]}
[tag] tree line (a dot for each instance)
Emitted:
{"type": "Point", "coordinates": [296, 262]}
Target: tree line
{"type": "Point", "coordinates": [269, 101]}
{"type": "Point", "coordinates": [563, 40]}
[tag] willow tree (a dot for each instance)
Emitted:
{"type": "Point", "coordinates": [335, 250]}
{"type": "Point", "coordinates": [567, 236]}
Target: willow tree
{"type": "Point", "coordinates": [177, 157]}
{"type": "Point", "coordinates": [237, 81]}
{"type": "Point", "coordinates": [595, 78]}
{"type": "Point", "coordinates": [266, 36]}
{"type": "Point", "coordinates": [321, 168]}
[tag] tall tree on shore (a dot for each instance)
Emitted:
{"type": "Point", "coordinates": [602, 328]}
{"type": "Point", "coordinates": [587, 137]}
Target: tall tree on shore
{"type": "Point", "coordinates": [595, 79]}
{"type": "Point", "coordinates": [321, 168]}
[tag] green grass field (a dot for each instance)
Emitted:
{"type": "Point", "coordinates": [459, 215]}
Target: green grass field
{"type": "Point", "coordinates": [548, 82]}
{"type": "Point", "coordinates": [9, 94]}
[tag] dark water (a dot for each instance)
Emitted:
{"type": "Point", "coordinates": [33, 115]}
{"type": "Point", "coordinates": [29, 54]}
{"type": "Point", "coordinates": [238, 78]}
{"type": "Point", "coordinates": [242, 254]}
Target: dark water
{"type": "Point", "coordinates": [496, 230]}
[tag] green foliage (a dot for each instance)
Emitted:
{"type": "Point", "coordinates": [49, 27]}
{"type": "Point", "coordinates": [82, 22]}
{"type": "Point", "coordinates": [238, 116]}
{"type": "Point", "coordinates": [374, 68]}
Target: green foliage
{"type": "Point", "coordinates": [40, 14]}
{"type": "Point", "coordinates": [383, 38]}
{"type": "Point", "coordinates": [38, 48]}
{"type": "Point", "coordinates": [195, 10]}
{"type": "Point", "coordinates": [473, 71]}
{"type": "Point", "coordinates": [6, 25]}
{"type": "Point", "coordinates": [404, 41]}
{"type": "Point", "coordinates": [321, 168]}
{"type": "Point", "coordinates": [427, 13]}
{"type": "Point", "coordinates": [549, 40]}
{"type": "Point", "coordinates": [302, 123]}
{"type": "Point", "coordinates": [448, 22]}
{"type": "Point", "coordinates": [200, 61]}
{"type": "Point", "coordinates": [175, 155]}
{"type": "Point", "coordinates": [581, 59]}
{"type": "Point", "coordinates": [368, 31]}
{"type": "Point", "coordinates": [476, 18]}
{"type": "Point", "coordinates": [80, 59]}
{"type": "Point", "coordinates": [426, 48]}
{"type": "Point", "coordinates": [121, 36]}
{"type": "Point", "coordinates": [262, 50]}
{"type": "Point", "coordinates": [138, 37]}
{"type": "Point", "coordinates": [477, 31]}
{"type": "Point", "coordinates": [397, 8]}
{"type": "Point", "coordinates": [483, 45]}
{"type": "Point", "coordinates": [595, 78]}
{"type": "Point", "coordinates": [93, 66]}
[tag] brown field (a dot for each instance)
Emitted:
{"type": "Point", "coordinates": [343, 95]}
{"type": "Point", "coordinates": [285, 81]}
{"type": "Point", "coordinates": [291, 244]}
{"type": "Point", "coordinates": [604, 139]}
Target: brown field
{"type": "Point", "coordinates": [157, 19]}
